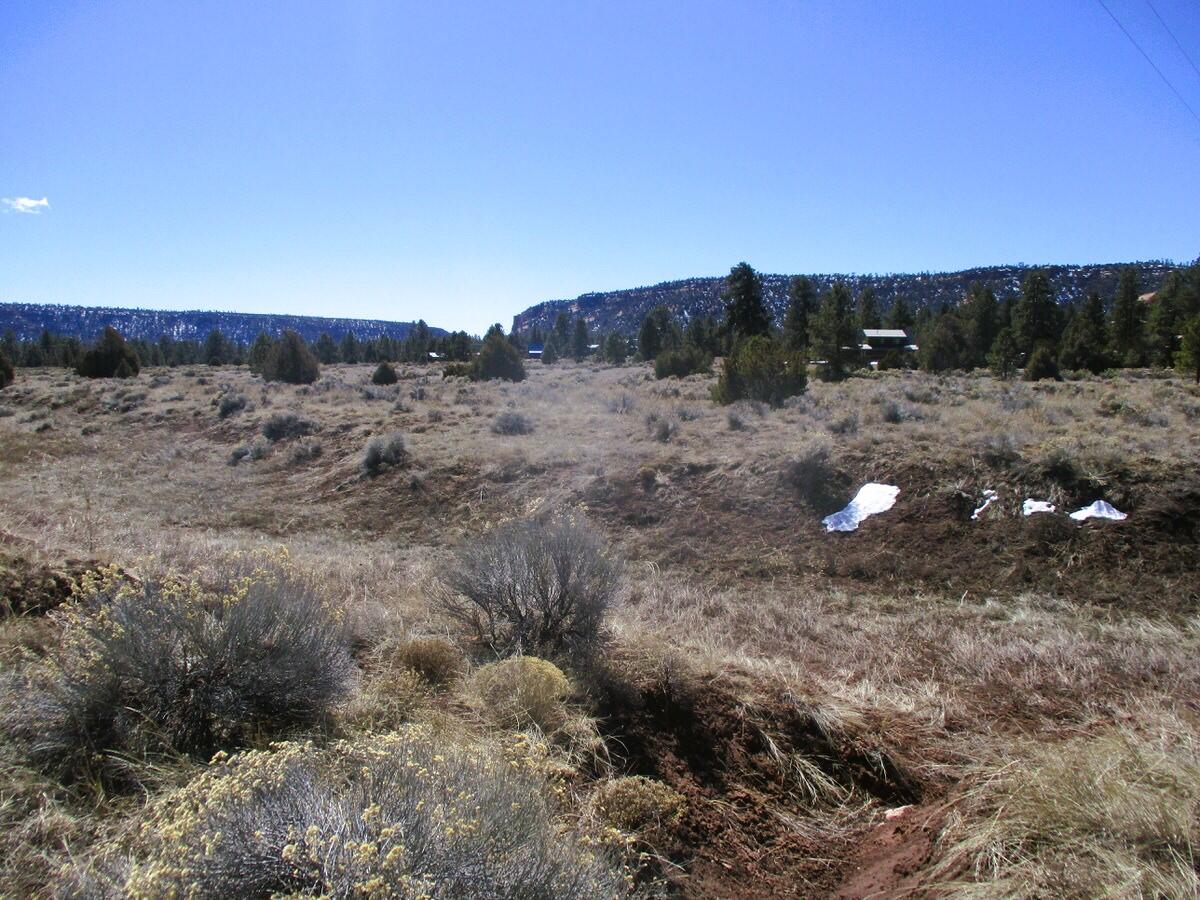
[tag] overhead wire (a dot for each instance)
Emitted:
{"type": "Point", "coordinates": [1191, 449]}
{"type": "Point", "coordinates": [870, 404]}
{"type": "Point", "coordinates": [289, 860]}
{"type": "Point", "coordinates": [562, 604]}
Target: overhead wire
{"type": "Point", "coordinates": [1178, 43]}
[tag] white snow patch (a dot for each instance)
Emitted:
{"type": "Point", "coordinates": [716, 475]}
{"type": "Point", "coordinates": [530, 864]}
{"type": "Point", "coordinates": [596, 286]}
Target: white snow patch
{"type": "Point", "coordinates": [871, 498]}
{"type": "Point", "coordinates": [1029, 507]}
{"type": "Point", "coordinates": [1098, 510]}
{"type": "Point", "coordinates": [988, 496]}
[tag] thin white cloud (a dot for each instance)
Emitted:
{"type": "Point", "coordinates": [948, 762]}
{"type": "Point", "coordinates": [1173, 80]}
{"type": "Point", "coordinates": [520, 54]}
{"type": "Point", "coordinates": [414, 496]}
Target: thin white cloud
{"type": "Point", "coordinates": [26, 205]}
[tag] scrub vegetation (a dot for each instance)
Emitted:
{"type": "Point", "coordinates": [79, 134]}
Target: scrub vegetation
{"type": "Point", "coordinates": [477, 658]}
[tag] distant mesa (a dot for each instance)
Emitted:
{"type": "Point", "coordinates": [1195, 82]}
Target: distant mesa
{"type": "Point", "coordinates": [28, 320]}
{"type": "Point", "coordinates": [623, 310]}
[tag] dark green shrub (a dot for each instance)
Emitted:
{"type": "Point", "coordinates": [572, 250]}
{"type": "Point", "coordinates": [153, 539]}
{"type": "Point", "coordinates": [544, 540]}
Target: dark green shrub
{"type": "Point", "coordinates": [385, 373]}
{"type": "Point", "coordinates": [458, 370]}
{"type": "Point", "coordinates": [532, 585]}
{"type": "Point", "coordinates": [281, 426]}
{"type": "Point", "coordinates": [169, 667]}
{"type": "Point", "coordinates": [403, 814]}
{"type": "Point", "coordinates": [1042, 365]}
{"type": "Point", "coordinates": [687, 360]}
{"type": "Point", "coordinates": [497, 359]}
{"type": "Point", "coordinates": [549, 353]}
{"type": "Point", "coordinates": [761, 368]}
{"type": "Point", "coordinates": [6, 371]}
{"type": "Point", "coordinates": [111, 357]}
{"type": "Point", "coordinates": [384, 453]}
{"type": "Point", "coordinates": [291, 361]}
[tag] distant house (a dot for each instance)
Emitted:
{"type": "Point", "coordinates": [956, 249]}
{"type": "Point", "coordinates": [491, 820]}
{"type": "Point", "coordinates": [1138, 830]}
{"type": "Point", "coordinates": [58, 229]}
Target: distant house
{"type": "Point", "coordinates": [878, 341]}
{"type": "Point", "coordinates": [535, 351]}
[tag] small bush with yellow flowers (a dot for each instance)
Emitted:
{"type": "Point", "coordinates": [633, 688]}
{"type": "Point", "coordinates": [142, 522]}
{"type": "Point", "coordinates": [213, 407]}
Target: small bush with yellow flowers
{"type": "Point", "coordinates": [639, 805]}
{"type": "Point", "coordinates": [393, 815]}
{"type": "Point", "coordinates": [522, 691]}
{"type": "Point", "coordinates": [173, 667]}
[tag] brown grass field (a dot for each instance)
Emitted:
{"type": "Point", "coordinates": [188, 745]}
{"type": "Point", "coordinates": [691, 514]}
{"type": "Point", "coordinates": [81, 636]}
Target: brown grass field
{"type": "Point", "coordinates": [933, 705]}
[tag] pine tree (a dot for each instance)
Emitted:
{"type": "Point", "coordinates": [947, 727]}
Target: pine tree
{"type": "Point", "coordinates": [1036, 316]}
{"type": "Point", "coordinates": [615, 349]}
{"type": "Point", "coordinates": [833, 332]}
{"type": "Point", "coordinates": [658, 332]}
{"type": "Point", "coordinates": [348, 350]}
{"type": "Point", "coordinates": [550, 351]}
{"type": "Point", "coordinates": [703, 333]}
{"type": "Point", "coordinates": [900, 316]}
{"type": "Point", "coordinates": [983, 315]}
{"type": "Point", "coordinates": [1042, 365]}
{"type": "Point", "coordinates": [1083, 339]}
{"type": "Point", "coordinates": [802, 303]}
{"type": "Point", "coordinates": [1162, 324]}
{"type": "Point", "coordinates": [947, 346]}
{"type": "Point", "coordinates": [6, 370]}
{"type": "Point", "coordinates": [562, 329]}
{"type": "Point", "coordinates": [579, 340]}
{"type": "Point", "coordinates": [1004, 356]}
{"type": "Point", "coordinates": [497, 359]}
{"type": "Point", "coordinates": [1188, 357]}
{"type": "Point", "coordinates": [1126, 321]}
{"type": "Point", "coordinates": [215, 351]}
{"type": "Point", "coordinates": [745, 313]}
{"type": "Point", "coordinates": [868, 309]}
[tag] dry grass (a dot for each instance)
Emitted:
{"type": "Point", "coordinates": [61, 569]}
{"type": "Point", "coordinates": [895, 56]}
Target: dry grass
{"type": "Point", "coordinates": [1000, 687]}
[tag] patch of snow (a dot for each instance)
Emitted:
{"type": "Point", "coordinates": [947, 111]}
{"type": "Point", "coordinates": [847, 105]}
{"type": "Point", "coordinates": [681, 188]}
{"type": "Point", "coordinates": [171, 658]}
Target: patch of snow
{"type": "Point", "coordinates": [988, 496]}
{"type": "Point", "coordinates": [1098, 510]}
{"type": "Point", "coordinates": [1029, 507]}
{"type": "Point", "coordinates": [871, 498]}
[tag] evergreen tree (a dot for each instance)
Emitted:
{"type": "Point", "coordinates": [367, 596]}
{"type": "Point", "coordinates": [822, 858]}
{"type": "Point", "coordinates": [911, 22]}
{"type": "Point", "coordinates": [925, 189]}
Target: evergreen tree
{"type": "Point", "coordinates": [762, 368]}
{"type": "Point", "coordinates": [215, 351]}
{"type": "Point", "coordinates": [868, 309]}
{"type": "Point", "coordinates": [348, 350]}
{"type": "Point", "coordinates": [616, 349]}
{"type": "Point", "coordinates": [659, 332]}
{"type": "Point", "coordinates": [1042, 365]}
{"type": "Point", "coordinates": [579, 340]}
{"type": "Point", "coordinates": [834, 337]}
{"type": "Point", "coordinates": [550, 351]}
{"type": "Point", "coordinates": [947, 346]}
{"type": "Point", "coordinates": [562, 330]}
{"type": "Point", "coordinates": [497, 359]}
{"type": "Point", "coordinates": [385, 373]}
{"type": "Point", "coordinates": [1162, 324]}
{"type": "Point", "coordinates": [704, 334]}
{"type": "Point", "coordinates": [745, 313]}
{"type": "Point", "coordinates": [1126, 322]}
{"type": "Point", "coordinates": [107, 356]}
{"type": "Point", "coordinates": [1036, 316]}
{"type": "Point", "coordinates": [9, 347]}
{"type": "Point", "coordinates": [802, 304]}
{"type": "Point", "coordinates": [291, 361]}
{"type": "Point", "coordinates": [1004, 357]}
{"type": "Point", "coordinates": [326, 349]}
{"type": "Point", "coordinates": [6, 370]}
{"type": "Point", "coordinates": [900, 316]}
{"type": "Point", "coordinates": [983, 315]}
{"type": "Point", "coordinates": [1083, 338]}
{"type": "Point", "coordinates": [1188, 358]}
{"type": "Point", "coordinates": [260, 352]}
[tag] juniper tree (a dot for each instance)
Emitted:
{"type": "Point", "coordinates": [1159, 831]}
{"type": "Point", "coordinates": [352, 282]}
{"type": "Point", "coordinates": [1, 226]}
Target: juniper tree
{"type": "Point", "coordinates": [105, 358]}
{"type": "Point", "coordinates": [833, 332]}
{"type": "Point", "coordinates": [579, 340]}
{"type": "Point", "coordinates": [1126, 320]}
{"type": "Point", "coordinates": [1082, 345]}
{"type": "Point", "coordinates": [1036, 316]}
{"type": "Point", "coordinates": [1004, 356]}
{"type": "Point", "coordinates": [349, 349]}
{"type": "Point", "coordinates": [291, 361]}
{"type": "Point", "coordinates": [983, 318]}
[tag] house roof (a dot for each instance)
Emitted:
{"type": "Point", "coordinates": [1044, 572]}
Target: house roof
{"type": "Point", "coordinates": [884, 333]}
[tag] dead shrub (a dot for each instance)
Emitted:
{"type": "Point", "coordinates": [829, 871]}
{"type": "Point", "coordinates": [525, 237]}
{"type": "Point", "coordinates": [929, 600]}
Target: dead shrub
{"type": "Point", "coordinates": [512, 423]}
{"type": "Point", "coordinates": [281, 426]}
{"type": "Point", "coordinates": [532, 585]}
{"type": "Point", "coordinates": [384, 453]}
{"type": "Point", "coordinates": [436, 660]}
{"type": "Point", "coordinates": [814, 478]}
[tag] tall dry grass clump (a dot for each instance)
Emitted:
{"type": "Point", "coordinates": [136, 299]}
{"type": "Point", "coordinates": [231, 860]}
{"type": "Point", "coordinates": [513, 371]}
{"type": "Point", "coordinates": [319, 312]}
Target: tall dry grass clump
{"type": "Point", "coordinates": [173, 667]}
{"type": "Point", "coordinates": [397, 815]}
{"type": "Point", "coordinates": [522, 691]}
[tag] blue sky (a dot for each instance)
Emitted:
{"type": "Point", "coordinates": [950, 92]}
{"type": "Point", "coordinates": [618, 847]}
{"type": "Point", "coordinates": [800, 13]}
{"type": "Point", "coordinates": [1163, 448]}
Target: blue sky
{"type": "Point", "coordinates": [458, 162]}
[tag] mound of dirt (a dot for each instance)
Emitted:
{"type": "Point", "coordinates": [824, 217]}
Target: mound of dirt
{"type": "Point", "coordinates": [35, 588]}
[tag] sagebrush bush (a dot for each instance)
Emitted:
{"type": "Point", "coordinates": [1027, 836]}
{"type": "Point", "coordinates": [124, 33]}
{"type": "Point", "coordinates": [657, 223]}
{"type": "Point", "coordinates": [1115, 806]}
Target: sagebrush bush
{"type": "Point", "coordinates": [397, 815]}
{"type": "Point", "coordinates": [383, 453]}
{"type": "Point", "coordinates": [532, 585]}
{"type": "Point", "coordinates": [813, 476]}
{"type": "Point", "coordinates": [637, 804]}
{"type": "Point", "coordinates": [282, 426]}
{"type": "Point", "coordinates": [521, 691]}
{"type": "Point", "coordinates": [229, 404]}
{"type": "Point", "coordinates": [687, 360]}
{"type": "Point", "coordinates": [171, 667]}
{"type": "Point", "coordinates": [512, 423]}
{"type": "Point", "coordinates": [385, 373]}
{"type": "Point", "coordinates": [761, 368]}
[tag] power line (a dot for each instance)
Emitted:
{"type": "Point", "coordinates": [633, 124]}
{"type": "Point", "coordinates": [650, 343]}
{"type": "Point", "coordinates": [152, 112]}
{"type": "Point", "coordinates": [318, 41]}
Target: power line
{"type": "Point", "coordinates": [1146, 56]}
{"type": "Point", "coordinates": [1162, 22]}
